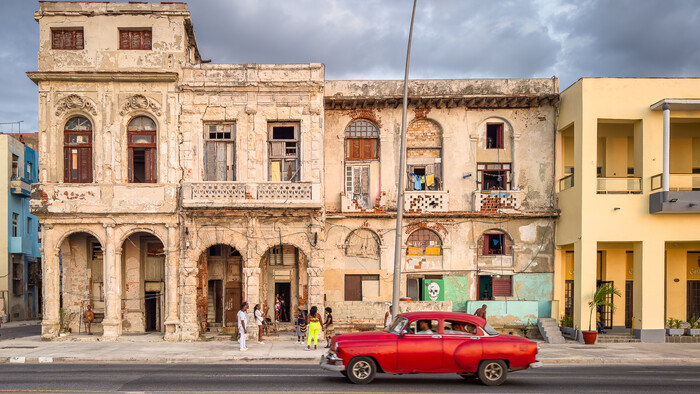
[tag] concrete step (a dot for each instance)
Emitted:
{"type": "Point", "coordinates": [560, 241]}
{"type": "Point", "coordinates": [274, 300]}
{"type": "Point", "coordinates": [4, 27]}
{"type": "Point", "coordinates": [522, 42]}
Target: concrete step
{"type": "Point", "coordinates": [550, 331]}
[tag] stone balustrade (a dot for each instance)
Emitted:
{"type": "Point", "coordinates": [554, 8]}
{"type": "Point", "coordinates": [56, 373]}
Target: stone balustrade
{"type": "Point", "coordinates": [497, 200]}
{"type": "Point", "coordinates": [251, 194]}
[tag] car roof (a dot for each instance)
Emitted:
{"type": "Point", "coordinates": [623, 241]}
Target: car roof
{"type": "Point", "coordinates": [443, 315]}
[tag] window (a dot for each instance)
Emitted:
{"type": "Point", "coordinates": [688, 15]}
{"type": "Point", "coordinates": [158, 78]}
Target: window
{"type": "Point", "coordinates": [283, 255]}
{"type": "Point", "coordinates": [219, 155]}
{"type": "Point", "coordinates": [496, 244]}
{"type": "Point", "coordinates": [284, 152]}
{"type": "Point", "coordinates": [361, 287]}
{"type": "Point", "coordinates": [38, 233]}
{"type": "Point", "coordinates": [17, 276]}
{"type": "Point", "coordinates": [77, 151]}
{"type": "Point", "coordinates": [493, 176]}
{"type": "Point", "coordinates": [458, 327]}
{"type": "Point", "coordinates": [423, 327]}
{"type": "Point", "coordinates": [141, 134]}
{"type": "Point", "coordinates": [15, 224]}
{"type": "Point", "coordinates": [15, 166]}
{"type": "Point", "coordinates": [502, 286]}
{"type": "Point", "coordinates": [357, 185]}
{"type": "Point", "coordinates": [29, 226]}
{"type": "Point", "coordinates": [362, 141]}
{"type": "Point", "coordinates": [28, 174]}
{"type": "Point", "coordinates": [424, 242]}
{"type": "Point", "coordinates": [424, 155]}
{"type": "Point", "coordinates": [135, 39]}
{"type": "Point", "coordinates": [494, 136]}
{"type": "Point", "coordinates": [67, 38]}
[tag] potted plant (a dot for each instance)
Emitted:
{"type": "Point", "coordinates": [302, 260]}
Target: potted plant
{"type": "Point", "coordinates": [600, 299]}
{"type": "Point", "coordinates": [64, 321]}
{"type": "Point", "coordinates": [567, 326]}
{"type": "Point", "coordinates": [674, 328]}
{"type": "Point", "coordinates": [694, 329]}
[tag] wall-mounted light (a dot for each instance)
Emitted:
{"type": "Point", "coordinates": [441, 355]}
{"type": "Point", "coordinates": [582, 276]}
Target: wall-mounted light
{"type": "Point", "coordinates": [466, 175]}
{"type": "Point", "coordinates": [673, 200]}
{"type": "Point", "coordinates": [616, 209]}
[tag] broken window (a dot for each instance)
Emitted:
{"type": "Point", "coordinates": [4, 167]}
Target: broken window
{"type": "Point", "coordinates": [359, 287]}
{"type": "Point", "coordinates": [424, 242]}
{"type": "Point", "coordinates": [284, 152]}
{"type": "Point", "coordinates": [283, 255]}
{"type": "Point", "coordinates": [15, 166]}
{"type": "Point", "coordinates": [493, 176]}
{"type": "Point", "coordinates": [357, 185]}
{"type": "Point", "coordinates": [362, 243]}
{"type": "Point", "coordinates": [77, 151]}
{"type": "Point", "coordinates": [494, 136]}
{"type": "Point", "coordinates": [219, 155]}
{"type": "Point", "coordinates": [135, 39]}
{"type": "Point", "coordinates": [362, 141]}
{"type": "Point", "coordinates": [424, 155]}
{"type": "Point", "coordinates": [67, 38]}
{"type": "Point", "coordinates": [496, 243]}
{"type": "Point", "coordinates": [142, 150]}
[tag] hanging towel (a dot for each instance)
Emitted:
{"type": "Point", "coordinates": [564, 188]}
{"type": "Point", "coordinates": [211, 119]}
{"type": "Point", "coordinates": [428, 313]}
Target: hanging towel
{"type": "Point", "coordinates": [430, 179]}
{"type": "Point", "coordinates": [417, 184]}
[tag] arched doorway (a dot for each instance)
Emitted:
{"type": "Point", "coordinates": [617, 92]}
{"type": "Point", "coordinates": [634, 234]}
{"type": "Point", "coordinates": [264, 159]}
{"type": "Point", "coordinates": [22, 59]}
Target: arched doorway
{"type": "Point", "coordinates": [143, 283]}
{"type": "Point", "coordinates": [283, 273]}
{"type": "Point", "coordinates": [219, 287]}
{"type": "Point", "coordinates": [81, 281]}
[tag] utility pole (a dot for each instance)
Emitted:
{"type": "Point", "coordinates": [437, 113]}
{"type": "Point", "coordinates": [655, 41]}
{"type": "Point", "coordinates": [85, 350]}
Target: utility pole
{"type": "Point", "coordinates": [401, 175]}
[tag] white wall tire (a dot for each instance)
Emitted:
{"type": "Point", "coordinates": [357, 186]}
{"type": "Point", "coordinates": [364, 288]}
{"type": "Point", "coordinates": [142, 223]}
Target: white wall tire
{"type": "Point", "coordinates": [361, 370]}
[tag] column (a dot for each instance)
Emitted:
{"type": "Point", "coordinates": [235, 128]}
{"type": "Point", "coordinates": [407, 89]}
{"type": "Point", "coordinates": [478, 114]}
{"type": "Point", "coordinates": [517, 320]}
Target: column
{"type": "Point", "coordinates": [51, 278]}
{"type": "Point", "coordinates": [112, 323]}
{"type": "Point", "coordinates": [187, 275]}
{"type": "Point", "coordinates": [584, 283]}
{"type": "Point", "coordinates": [315, 287]}
{"type": "Point", "coordinates": [649, 291]}
{"type": "Point", "coordinates": [665, 181]}
{"type": "Point", "coordinates": [558, 296]}
{"type": "Point", "coordinates": [172, 323]}
{"type": "Point", "coordinates": [251, 289]}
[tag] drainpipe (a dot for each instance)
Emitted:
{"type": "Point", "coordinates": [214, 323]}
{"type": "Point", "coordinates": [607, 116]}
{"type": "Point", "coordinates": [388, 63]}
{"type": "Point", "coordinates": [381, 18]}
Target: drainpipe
{"type": "Point", "coordinates": [665, 181]}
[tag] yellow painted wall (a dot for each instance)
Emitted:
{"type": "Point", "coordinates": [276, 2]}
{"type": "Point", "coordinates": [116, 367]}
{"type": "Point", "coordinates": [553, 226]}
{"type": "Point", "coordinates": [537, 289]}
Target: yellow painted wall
{"type": "Point", "coordinates": [4, 219]}
{"type": "Point", "coordinates": [676, 285]}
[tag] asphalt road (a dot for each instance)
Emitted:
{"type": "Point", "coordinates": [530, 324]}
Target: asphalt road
{"type": "Point", "coordinates": [307, 378]}
{"type": "Point", "coordinates": [19, 331]}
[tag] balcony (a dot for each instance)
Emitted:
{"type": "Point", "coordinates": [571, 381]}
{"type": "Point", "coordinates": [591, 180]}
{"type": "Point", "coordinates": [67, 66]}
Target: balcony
{"type": "Point", "coordinates": [426, 201]}
{"type": "Point", "coordinates": [19, 245]}
{"type": "Point", "coordinates": [350, 205]}
{"type": "Point", "coordinates": [251, 195]}
{"type": "Point", "coordinates": [20, 187]}
{"type": "Point", "coordinates": [566, 182]}
{"type": "Point", "coordinates": [683, 195]}
{"type": "Point", "coordinates": [619, 185]}
{"type": "Point", "coordinates": [94, 198]}
{"type": "Point", "coordinates": [497, 200]}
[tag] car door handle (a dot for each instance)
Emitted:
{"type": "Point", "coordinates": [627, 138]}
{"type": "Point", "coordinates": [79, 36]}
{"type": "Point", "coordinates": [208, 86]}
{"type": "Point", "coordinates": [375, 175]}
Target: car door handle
{"type": "Point", "coordinates": [475, 337]}
{"type": "Point", "coordinates": [437, 336]}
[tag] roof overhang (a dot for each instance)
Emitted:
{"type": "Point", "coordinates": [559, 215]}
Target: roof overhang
{"type": "Point", "coordinates": [677, 105]}
{"type": "Point", "coordinates": [516, 101]}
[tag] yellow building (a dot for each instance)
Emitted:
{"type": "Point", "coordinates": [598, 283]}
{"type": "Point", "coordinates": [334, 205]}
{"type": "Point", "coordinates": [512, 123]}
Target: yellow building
{"type": "Point", "coordinates": [628, 165]}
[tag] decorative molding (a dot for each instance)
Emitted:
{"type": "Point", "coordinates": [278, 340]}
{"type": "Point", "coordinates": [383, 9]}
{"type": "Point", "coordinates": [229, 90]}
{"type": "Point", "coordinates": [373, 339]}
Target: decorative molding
{"type": "Point", "coordinates": [139, 101]}
{"type": "Point", "coordinates": [73, 101]}
{"type": "Point", "coordinates": [97, 76]}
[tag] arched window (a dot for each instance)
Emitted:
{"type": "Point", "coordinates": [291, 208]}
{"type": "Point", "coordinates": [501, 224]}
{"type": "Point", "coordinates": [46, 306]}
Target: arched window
{"type": "Point", "coordinates": [141, 134]}
{"type": "Point", "coordinates": [362, 243]}
{"type": "Point", "coordinates": [361, 147]}
{"type": "Point", "coordinates": [77, 151]}
{"type": "Point", "coordinates": [424, 155]}
{"type": "Point", "coordinates": [496, 243]}
{"type": "Point", "coordinates": [424, 242]}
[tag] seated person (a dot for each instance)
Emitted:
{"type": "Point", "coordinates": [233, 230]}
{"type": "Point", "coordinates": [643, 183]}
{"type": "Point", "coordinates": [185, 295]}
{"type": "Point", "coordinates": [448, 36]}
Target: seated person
{"type": "Point", "coordinates": [458, 327]}
{"type": "Point", "coordinates": [424, 327]}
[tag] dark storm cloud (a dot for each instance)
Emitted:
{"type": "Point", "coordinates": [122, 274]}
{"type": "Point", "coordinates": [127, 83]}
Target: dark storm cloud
{"type": "Point", "coordinates": [366, 39]}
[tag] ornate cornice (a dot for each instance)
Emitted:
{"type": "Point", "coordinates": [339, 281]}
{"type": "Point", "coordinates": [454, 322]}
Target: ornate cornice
{"type": "Point", "coordinates": [73, 101]}
{"type": "Point", "coordinates": [139, 101]}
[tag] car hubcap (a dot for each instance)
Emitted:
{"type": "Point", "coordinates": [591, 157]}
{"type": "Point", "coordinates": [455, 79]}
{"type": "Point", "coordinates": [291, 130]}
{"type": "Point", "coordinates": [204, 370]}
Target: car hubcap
{"type": "Point", "coordinates": [361, 369]}
{"type": "Point", "coordinates": [493, 371]}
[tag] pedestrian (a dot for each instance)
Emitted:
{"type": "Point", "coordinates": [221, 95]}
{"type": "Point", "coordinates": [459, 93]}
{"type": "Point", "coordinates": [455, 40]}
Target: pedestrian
{"type": "Point", "coordinates": [297, 323]}
{"type": "Point", "coordinates": [302, 326]}
{"type": "Point", "coordinates": [481, 312]}
{"type": "Point", "coordinates": [388, 317]}
{"type": "Point", "coordinates": [315, 327]}
{"type": "Point", "coordinates": [89, 317]}
{"type": "Point", "coordinates": [277, 307]}
{"type": "Point", "coordinates": [243, 326]}
{"type": "Point", "coordinates": [329, 326]}
{"type": "Point", "coordinates": [283, 309]}
{"type": "Point", "coordinates": [259, 321]}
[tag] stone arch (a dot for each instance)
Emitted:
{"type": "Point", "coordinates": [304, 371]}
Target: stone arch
{"type": "Point", "coordinates": [288, 279]}
{"type": "Point", "coordinates": [220, 286]}
{"type": "Point", "coordinates": [127, 231]}
{"type": "Point", "coordinates": [424, 249]}
{"type": "Point", "coordinates": [424, 151]}
{"type": "Point", "coordinates": [486, 249]}
{"type": "Point", "coordinates": [64, 234]}
{"type": "Point", "coordinates": [209, 237]}
{"type": "Point", "coordinates": [365, 242]}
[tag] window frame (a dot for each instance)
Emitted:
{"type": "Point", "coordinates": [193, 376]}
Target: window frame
{"type": "Point", "coordinates": [362, 278]}
{"type": "Point", "coordinates": [499, 284]}
{"type": "Point", "coordinates": [150, 151]}
{"type": "Point", "coordinates": [229, 149]}
{"type": "Point", "coordinates": [15, 224]}
{"type": "Point", "coordinates": [505, 168]}
{"type": "Point", "coordinates": [361, 141]}
{"type": "Point", "coordinates": [15, 167]}
{"type": "Point", "coordinates": [419, 247]}
{"type": "Point", "coordinates": [500, 135]}
{"type": "Point", "coordinates": [131, 32]}
{"type": "Point", "coordinates": [505, 244]}
{"type": "Point", "coordinates": [83, 153]}
{"type": "Point", "coordinates": [77, 39]}
{"type": "Point", "coordinates": [284, 158]}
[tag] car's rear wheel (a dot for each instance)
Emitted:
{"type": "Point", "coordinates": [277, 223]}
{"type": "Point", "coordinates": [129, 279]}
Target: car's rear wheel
{"type": "Point", "coordinates": [493, 372]}
{"type": "Point", "coordinates": [361, 370]}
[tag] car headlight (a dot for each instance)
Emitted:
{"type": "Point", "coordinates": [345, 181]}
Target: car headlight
{"type": "Point", "coordinates": [335, 347]}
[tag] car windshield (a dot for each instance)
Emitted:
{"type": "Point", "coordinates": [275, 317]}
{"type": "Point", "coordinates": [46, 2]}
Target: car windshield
{"type": "Point", "coordinates": [489, 330]}
{"type": "Point", "coordinates": [397, 325]}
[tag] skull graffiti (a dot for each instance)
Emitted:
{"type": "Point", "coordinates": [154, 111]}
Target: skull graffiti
{"type": "Point", "coordinates": [433, 291]}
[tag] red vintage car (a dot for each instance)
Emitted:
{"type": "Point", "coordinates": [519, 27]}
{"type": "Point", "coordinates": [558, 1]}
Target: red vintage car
{"type": "Point", "coordinates": [431, 342]}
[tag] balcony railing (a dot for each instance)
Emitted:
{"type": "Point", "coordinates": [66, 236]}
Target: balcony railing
{"type": "Point", "coordinates": [566, 182]}
{"type": "Point", "coordinates": [425, 201]}
{"type": "Point", "coordinates": [353, 205]}
{"type": "Point", "coordinates": [677, 182]}
{"type": "Point", "coordinates": [20, 186]}
{"type": "Point", "coordinates": [250, 194]}
{"type": "Point", "coordinates": [495, 200]}
{"type": "Point", "coordinates": [619, 185]}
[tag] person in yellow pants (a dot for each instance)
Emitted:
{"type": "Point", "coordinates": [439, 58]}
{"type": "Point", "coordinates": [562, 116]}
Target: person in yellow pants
{"type": "Point", "coordinates": [315, 326]}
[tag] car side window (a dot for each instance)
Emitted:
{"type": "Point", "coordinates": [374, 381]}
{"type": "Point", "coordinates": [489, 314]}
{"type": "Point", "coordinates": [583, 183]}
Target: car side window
{"type": "Point", "coordinates": [458, 327]}
{"type": "Point", "coordinates": [422, 327]}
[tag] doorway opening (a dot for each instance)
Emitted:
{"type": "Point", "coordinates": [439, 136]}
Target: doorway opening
{"type": "Point", "coordinates": [485, 287]}
{"type": "Point", "coordinates": [284, 289]}
{"type": "Point", "coordinates": [152, 306]}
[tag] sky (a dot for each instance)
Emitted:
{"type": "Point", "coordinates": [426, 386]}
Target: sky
{"type": "Point", "coordinates": [366, 39]}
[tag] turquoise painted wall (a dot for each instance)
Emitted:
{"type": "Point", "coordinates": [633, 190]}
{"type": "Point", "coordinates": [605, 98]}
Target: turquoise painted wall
{"type": "Point", "coordinates": [503, 313]}
{"type": "Point", "coordinates": [457, 291]}
{"type": "Point", "coordinates": [535, 287]}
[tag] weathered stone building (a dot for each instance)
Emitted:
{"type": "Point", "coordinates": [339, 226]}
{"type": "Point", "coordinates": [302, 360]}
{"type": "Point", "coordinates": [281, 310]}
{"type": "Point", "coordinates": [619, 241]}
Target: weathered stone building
{"type": "Point", "coordinates": [171, 189]}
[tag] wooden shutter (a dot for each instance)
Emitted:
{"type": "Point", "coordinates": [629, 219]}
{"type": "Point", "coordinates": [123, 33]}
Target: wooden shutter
{"type": "Point", "coordinates": [84, 165]}
{"type": "Point", "coordinates": [503, 286]}
{"type": "Point", "coordinates": [66, 165]}
{"type": "Point", "coordinates": [150, 165]}
{"type": "Point", "coordinates": [146, 39]}
{"type": "Point", "coordinates": [78, 39]}
{"type": "Point", "coordinates": [124, 42]}
{"type": "Point", "coordinates": [57, 39]}
{"type": "Point", "coordinates": [210, 162]}
{"type": "Point", "coordinates": [353, 287]}
{"type": "Point", "coordinates": [135, 42]}
{"type": "Point", "coordinates": [499, 136]}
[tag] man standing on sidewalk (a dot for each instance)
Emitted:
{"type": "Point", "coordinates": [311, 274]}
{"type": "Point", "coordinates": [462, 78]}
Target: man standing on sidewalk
{"type": "Point", "coordinates": [243, 326]}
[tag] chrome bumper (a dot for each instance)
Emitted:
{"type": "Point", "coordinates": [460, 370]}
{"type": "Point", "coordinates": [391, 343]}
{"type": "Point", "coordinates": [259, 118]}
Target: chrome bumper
{"type": "Point", "coordinates": [331, 362]}
{"type": "Point", "coordinates": [536, 364]}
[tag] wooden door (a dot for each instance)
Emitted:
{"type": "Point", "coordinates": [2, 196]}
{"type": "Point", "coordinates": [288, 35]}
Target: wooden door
{"type": "Point", "coordinates": [233, 304]}
{"type": "Point", "coordinates": [606, 313]}
{"type": "Point", "coordinates": [693, 299]}
{"type": "Point", "coordinates": [629, 303]}
{"type": "Point", "coordinates": [353, 287]}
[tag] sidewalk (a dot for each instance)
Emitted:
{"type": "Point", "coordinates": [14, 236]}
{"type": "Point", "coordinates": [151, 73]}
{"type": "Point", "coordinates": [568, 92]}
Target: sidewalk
{"type": "Point", "coordinates": [151, 349]}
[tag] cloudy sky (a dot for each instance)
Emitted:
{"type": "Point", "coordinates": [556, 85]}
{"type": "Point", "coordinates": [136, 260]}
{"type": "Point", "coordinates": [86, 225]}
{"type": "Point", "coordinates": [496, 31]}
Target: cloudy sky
{"type": "Point", "coordinates": [366, 39]}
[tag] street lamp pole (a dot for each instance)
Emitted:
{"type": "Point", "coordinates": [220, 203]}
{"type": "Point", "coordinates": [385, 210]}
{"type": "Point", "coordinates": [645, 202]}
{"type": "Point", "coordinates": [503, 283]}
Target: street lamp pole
{"type": "Point", "coordinates": [402, 176]}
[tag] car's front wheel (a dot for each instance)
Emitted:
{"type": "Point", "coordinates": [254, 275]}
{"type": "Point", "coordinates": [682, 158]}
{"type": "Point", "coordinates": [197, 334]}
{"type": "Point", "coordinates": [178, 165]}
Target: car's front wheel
{"type": "Point", "coordinates": [493, 372]}
{"type": "Point", "coordinates": [361, 370]}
